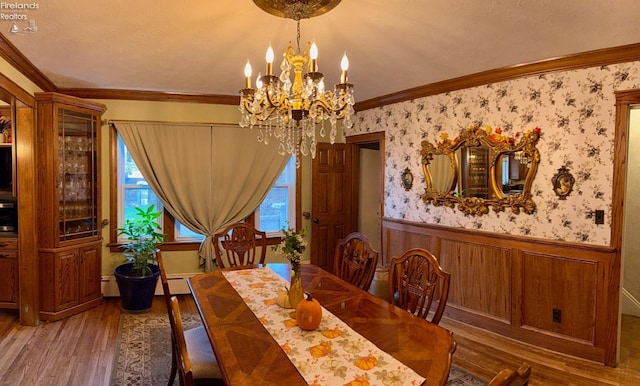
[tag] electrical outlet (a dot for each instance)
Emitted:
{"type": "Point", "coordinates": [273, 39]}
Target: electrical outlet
{"type": "Point", "coordinates": [557, 315]}
{"type": "Point", "coordinates": [599, 216]}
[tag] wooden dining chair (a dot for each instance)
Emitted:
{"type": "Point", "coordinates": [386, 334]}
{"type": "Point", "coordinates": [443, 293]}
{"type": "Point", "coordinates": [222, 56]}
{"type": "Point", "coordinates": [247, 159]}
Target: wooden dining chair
{"type": "Point", "coordinates": [238, 244]}
{"type": "Point", "coordinates": [202, 360]}
{"type": "Point", "coordinates": [418, 284]}
{"type": "Point", "coordinates": [355, 260]}
{"type": "Point", "coordinates": [510, 377]}
{"type": "Point", "coordinates": [194, 362]}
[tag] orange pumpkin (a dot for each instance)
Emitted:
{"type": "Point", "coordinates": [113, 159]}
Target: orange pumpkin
{"type": "Point", "coordinates": [309, 313]}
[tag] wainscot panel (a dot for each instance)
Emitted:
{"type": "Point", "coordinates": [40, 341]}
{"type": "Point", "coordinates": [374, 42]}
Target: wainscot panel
{"type": "Point", "coordinates": [553, 294]}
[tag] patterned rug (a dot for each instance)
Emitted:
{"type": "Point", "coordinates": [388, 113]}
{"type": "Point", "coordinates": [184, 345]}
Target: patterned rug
{"type": "Point", "coordinates": [143, 352]}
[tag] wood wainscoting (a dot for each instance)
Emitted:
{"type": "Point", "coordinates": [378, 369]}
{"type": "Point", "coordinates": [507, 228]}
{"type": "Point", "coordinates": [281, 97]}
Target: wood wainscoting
{"type": "Point", "coordinates": [553, 294]}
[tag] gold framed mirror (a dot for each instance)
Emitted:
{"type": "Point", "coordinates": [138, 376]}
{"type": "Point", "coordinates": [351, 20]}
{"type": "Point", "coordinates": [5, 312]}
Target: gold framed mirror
{"type": "Point", "coordinates": [481, 168]}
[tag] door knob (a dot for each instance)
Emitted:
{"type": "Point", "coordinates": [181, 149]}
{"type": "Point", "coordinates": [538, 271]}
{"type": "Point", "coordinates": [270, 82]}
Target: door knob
{"type": "Point", "coordinates": [315, 221]}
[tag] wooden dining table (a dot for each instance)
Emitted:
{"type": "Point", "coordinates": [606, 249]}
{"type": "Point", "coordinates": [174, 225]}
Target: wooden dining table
{"type": "Point", "coordinates": [248, 355]}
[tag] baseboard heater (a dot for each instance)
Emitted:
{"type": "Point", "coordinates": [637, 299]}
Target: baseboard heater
{"type": "Point", "coordinates": [177, 285]}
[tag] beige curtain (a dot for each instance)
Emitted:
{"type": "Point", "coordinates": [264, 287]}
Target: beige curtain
{"type": "Point", "coordinates": [206, 176]}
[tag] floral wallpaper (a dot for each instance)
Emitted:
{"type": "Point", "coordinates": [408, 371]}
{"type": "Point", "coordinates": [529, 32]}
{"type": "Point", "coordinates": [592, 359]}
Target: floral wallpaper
{"type": "Point", "coordinates": [576, 113]}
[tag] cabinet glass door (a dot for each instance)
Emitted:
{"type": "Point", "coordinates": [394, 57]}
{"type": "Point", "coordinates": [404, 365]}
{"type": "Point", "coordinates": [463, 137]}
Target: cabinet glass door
{"type": "Point", "coordinates": [77, 185]}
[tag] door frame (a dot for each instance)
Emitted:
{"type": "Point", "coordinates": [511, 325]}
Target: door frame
{"type": "Point", "coordinates": [624, 102]}
{"type": "Point", "coordinates": [354, 143]}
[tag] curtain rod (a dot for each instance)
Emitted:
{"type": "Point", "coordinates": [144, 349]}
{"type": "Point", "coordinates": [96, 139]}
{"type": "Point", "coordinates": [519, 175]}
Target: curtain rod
{"type": "Point", "coordinates": [203, 124]}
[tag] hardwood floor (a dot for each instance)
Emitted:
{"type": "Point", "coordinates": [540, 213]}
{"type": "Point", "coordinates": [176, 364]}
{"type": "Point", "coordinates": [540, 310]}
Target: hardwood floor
{"type": "Point", "coordinates": [80, 350]}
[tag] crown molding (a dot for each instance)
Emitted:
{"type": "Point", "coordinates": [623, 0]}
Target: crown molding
{"type": "Point", "coordinates": [582, 60]}
{"type": "Point", "coordinates": [155, 96]}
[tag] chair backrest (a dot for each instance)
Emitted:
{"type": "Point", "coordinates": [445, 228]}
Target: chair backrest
{"type": "Point", "coordinates": [237, 246]}
{"type": "Point", "coordinates": [417, 283]}
{"type": "Point", "coordinates": [185, 373]}
{"type": "Point", "coordinates": [510, 377]}
{"type": "Point", "coordinates": [355, 260]}
{"type": "Point", "coordinates": [164, 281]}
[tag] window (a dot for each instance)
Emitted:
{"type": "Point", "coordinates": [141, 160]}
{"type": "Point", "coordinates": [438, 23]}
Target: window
{"type": "Point", "coordinates": [277, 211]}
{"type": "Point", "coordinates": [133, 190]}
{"type": "Point", "coordinates": [130, 190]}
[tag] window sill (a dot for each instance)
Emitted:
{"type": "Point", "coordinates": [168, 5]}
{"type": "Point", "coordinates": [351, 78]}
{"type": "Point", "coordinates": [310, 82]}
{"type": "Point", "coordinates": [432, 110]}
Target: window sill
{"type": "Point", "coordinates": [182, 245]}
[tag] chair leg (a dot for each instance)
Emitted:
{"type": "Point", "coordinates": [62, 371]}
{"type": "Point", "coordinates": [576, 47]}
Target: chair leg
{"type": "Point", "coordinates": [174, 365]}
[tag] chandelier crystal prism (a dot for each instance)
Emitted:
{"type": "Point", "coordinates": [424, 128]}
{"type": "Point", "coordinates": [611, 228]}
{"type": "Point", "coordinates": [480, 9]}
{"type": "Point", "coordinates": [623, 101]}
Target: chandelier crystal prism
{"type": "Point", "coordinates": [290, 110]}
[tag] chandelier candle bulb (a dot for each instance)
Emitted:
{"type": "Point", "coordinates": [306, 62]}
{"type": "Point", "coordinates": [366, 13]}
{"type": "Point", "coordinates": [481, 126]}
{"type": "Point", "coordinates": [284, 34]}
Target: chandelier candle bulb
{"type": "Point", "coordinates": [344, 64]}
{"type": "Point", "coordinates": [313, 54]}
{"type": "Point", "coordinates": [269, 60]}
{"type": "Point", "coordinates": [247, 74]}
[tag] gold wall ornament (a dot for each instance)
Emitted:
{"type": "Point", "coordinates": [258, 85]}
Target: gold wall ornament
{"type": "Point", "coordinates": [407, 179]}
{"type": "Point", "coordinates": [481, 168]}
{"type": "Point", "coordinates": [563, 183]}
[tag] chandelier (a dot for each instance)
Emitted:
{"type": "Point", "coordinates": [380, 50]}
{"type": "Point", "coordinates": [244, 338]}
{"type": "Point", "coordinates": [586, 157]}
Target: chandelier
{"type": "Point", "coordinates": [290, 110]}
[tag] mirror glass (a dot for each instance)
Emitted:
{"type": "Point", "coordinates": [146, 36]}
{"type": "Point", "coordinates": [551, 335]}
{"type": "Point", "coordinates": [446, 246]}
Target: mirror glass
{"type": "Point", "coordinates": [481, 168]}
{"type": "Point", "coordinates": [511, 172]}
{"type": "Point", "coordinates": [475, 171]}
{"type": "Point", "coordinates": [442, 169]}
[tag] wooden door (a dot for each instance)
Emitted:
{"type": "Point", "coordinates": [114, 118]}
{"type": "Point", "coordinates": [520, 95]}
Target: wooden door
{"type": "Point", "coordinates": [329, 202]}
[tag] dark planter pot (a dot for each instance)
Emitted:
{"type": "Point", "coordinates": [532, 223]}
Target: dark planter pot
{"type": "Point", "coordinates": [136, 292]}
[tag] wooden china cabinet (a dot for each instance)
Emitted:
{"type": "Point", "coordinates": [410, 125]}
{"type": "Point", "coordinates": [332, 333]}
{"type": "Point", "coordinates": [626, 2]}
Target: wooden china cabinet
{"type": "Point", "coordinates": [69, 236]}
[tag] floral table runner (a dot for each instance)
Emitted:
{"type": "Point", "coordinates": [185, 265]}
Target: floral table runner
{"type": "Point", "coordinates": [334, 354]}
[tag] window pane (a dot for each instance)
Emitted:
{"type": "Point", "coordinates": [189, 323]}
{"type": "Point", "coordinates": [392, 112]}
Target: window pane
{"type": "Point", "coordinates": [133, 190]}
{"type": "Point", "coordinates": [274, 210]}
{"type": "Point", "coordinates": [182, 232]}
{"type": "Point", "coordinates": [277, 210]}
{"type": "Point", "coordinates": [142, 197]}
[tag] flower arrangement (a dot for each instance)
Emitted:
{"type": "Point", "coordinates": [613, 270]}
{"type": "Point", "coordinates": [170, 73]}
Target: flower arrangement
{"type": "Point", "coordinates": [292, 246]}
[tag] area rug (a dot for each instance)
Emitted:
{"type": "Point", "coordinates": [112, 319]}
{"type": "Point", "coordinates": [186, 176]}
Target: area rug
{"type": "Point", "coordinates": [143, 352]}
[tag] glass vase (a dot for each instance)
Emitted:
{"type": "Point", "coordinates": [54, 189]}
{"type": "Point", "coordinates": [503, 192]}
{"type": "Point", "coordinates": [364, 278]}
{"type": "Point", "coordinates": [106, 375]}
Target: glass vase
{"type": "Point", "coordinates": [296, 292]}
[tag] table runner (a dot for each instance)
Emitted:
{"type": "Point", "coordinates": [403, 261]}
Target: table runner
{"type": "Point", "coordinates": [334, 354]}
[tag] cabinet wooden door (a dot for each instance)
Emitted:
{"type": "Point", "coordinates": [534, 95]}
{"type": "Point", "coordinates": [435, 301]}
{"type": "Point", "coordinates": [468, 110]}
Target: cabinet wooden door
{"type": "Point", "coordinates": [66, 284]}
{"type": "Point", "coordinates": [8, 273]}
{"type": "Point", "coordinates": [9, 282]}
{"type": "Point", "coordinates": [89, 273]}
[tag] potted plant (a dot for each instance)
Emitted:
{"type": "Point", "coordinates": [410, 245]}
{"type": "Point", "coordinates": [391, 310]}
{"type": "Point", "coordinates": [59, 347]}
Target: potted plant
{"type": "Point", "coordinates": [138, 275]}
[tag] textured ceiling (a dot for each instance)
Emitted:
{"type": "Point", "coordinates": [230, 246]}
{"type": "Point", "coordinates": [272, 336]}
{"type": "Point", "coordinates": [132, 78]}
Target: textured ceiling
{"type": "Point", "coordinates": [201, 46]}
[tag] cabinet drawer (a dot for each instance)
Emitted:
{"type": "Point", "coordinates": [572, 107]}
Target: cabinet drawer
{"type": "Point", "coordinates": [8, 255]}
{"type": "Point", "coordinates": [8, 244]}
